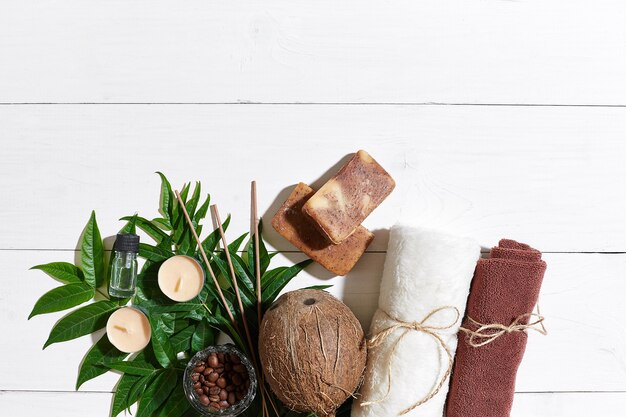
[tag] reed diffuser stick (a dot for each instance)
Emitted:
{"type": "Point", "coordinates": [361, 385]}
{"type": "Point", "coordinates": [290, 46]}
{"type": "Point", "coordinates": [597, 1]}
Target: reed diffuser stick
{"type": "Point", "coordinates": [254, 231]}
{"type": "Point", "coordinates": [216, 216]}
{"type": "Point", "coordinates": [206, 261]}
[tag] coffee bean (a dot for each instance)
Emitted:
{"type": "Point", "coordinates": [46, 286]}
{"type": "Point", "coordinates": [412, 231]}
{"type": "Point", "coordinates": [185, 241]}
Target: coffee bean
{"type": "Point", "coordinates": [207, 371]}
{"type": "Point", "coordinates": [212, 360]}
{"type": "Point", "coordinates": [231, 398]}
{"type": "Point", "coordinates": [198, 369]}
{"type": "Point", "coordinates": [220, 356]}
{"type": "Point", "coordinates": [223, 394]}
{"type": "Point", "coordinates": [201, 378]}
{"type": "Point", "coordinates": [215, 390]}
{"type": "Point", "coordinates": [219, 369]}
{"type": "Point", "coordinates": [239, 368]}
{"type": "Point", "coordinates": [224, 404]}
{"type": "Point", "coordinates": [230, 388]}
{"type": "Point", "coordinates": [215, 405]}
{"type": "Point", "coordinates": [237, 379]}
{"type": "Point", "coordinates": [214, 376]}
{"type": "Point", "coordinates": [210, 384]}
{"type": "Point", "coordinates": [197, 385]}
{"type": "Point", "coordinates": [199, 391]}
{"type": "Point", "coordinates": [235, 359]}
{"type": "Point", "coordinates": [205, 390]}
{"type": "Point", "coordinates": [204, 399]}
{"type": "Point", "coordinates": [214, 398]}
{"type": "Point", "coordinates": [221, 382]}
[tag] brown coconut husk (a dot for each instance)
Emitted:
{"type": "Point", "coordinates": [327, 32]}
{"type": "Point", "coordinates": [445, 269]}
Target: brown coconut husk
{"type": "Point", "coordinates": [312, 350]}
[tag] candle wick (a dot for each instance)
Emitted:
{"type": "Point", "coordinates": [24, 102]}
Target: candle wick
{"type": "Point", "coordinates": [179, 284]}
{"type": "Point", "coordinates": [120, 328]}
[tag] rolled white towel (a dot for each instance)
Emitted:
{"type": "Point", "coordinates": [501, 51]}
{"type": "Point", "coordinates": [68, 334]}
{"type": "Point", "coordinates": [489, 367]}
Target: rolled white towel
{"type": "Point", "coordinates": [427, 275]}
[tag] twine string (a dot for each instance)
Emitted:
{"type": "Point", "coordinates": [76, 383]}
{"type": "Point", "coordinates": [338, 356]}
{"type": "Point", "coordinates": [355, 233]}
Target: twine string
{"type": "Point", "coordinates": [421, 326]}
{"type": "Point", "coordinates": [487, 333]}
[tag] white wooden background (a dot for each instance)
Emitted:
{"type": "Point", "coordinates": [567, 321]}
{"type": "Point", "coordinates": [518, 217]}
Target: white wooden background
{"type": "Point", "coordinates": [497, 119]}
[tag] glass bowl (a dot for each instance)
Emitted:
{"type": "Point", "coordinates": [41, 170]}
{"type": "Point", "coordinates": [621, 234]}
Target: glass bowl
{"type": "Point", "coordinates": [245, 397]}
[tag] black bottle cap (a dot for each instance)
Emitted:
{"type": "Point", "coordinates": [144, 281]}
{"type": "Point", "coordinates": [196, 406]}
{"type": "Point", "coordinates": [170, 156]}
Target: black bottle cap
{"type": "Point", "coordinates": [126, 242]}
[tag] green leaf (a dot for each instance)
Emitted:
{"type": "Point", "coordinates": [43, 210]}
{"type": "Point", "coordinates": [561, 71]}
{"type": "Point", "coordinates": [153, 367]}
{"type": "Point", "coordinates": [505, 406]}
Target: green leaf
{"type": "Point", "coordinates": [82, 321]}
{"type": "Point", "coordinates": [153, 253]}
{"type": "Point", "coordinates": [150, 228]}
{"type": "Point", "coordinates": [202, 211]}
{"type": "Point", "coordinates": [178, 218]}
{"type": "Point", "coordinates": [139, 388]}
{"type": "Point", "coordinates": [234, 246]}
{"type": "Point", "coordinates": [163, 349]}
{"type": "Point", "coordinates": [156, 393]}
{"type": "Point", "coordinates": [193, 201]}
{"type": "Point", "coordinates": [210, 242]}
{"type": "Point", "coordinates": [92, 253]}
{"type": "Point", "coordinates": [176, 404]}
{"type": "Point", "coordinates": [282, 279]}
{"type": "Point", "coordinates": [133, 367]}
{"type": "Point", "coordinates": [181, 341]}
{"type": "Point", "coordinates": [166, 198]}
{"type": "Point", "coordinates": [264, 257]}
{"type": "Point", "coordinates": [122, 390]}
{"type": "Point", "coordinates": [62, 298]}
{"type": "Point", "coordinates": [222, 323]}
{"type": "Point", "coordinates": [129, 227]}
{"type": "Point", "coordinates": [202, 337]}
{"type": "Point", "coordinates": [92, 365]}
{"type": "Point", "coordinates": [242, 273]}
{"type": "Point", "coordinates": [62, 271]}
{"type": "Point", "coordinates": [317, 287]}
{"type": "Point", "coordinates": [164, 224]}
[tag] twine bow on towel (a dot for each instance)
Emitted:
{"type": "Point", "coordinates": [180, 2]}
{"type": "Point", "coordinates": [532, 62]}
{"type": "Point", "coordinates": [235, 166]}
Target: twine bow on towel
{"type": "Point", "coordinates": [487, 333]}
{"type": "Point", "coordinates": [419, 326]}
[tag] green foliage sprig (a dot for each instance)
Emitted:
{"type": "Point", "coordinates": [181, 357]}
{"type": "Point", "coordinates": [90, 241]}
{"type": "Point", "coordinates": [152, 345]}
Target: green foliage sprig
{"type": "Point", "coordinates": [153, 377]}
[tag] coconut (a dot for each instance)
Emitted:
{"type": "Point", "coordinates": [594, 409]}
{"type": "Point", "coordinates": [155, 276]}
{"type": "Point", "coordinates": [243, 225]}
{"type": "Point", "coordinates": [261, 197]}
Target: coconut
{"type": "Point", "coordinates": [312, 351]}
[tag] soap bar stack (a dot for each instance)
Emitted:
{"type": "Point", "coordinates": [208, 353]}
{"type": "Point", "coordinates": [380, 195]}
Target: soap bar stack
{"type": "Point", "coordinates": [326, 225]}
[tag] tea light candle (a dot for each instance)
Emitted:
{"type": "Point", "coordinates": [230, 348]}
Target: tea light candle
{"type": "Point", "coordinates": [181, 278]}
{"type": "Point", "coordinates": [128, 330]}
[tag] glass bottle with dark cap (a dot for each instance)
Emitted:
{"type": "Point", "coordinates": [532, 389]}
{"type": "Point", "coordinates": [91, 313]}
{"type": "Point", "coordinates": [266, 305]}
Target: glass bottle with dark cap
{"type": "Point", "coordinates": [124, 266]}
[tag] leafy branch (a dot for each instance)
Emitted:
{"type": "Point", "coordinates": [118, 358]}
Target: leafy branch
{"type": "Point", "coordinates": [153, 377]}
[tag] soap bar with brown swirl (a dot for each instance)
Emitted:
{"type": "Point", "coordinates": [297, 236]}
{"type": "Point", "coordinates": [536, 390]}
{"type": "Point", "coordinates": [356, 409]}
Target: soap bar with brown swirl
{"type": "Point", "coordinates": [341, 205]}
{"type": "Point", "coordinates": [294, 226]}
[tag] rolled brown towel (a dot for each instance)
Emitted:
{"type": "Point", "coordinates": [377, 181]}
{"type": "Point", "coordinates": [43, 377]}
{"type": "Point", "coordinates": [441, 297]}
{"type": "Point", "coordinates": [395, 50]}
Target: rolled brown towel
{"type": "Point", "coordinates": [505, 289]}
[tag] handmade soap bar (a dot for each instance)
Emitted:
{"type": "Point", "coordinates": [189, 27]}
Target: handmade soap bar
{"type": "Point", "coordinates": [341, 205]}
{"type": "Point", "coordinates": [294, 226]}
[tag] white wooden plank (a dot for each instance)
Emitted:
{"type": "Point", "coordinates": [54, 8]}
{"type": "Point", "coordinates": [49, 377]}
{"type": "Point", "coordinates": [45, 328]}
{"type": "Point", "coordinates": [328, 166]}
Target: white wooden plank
{"type": "Point", "coordinates": [581, 299]}
{"type": "Point", "coordinates": [575, 404]}
{"type": "Point", "coordinates": [549, 176]}
{"type": "Point", "coordinates": [556, 52]}
{"type": "Point", "coordinates": [72, 404]}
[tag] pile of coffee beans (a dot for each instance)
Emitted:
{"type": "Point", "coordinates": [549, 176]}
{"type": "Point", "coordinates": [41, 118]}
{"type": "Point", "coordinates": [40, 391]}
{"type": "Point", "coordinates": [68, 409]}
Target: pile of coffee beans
{"type": "Point", "coordinates": [220, 381]}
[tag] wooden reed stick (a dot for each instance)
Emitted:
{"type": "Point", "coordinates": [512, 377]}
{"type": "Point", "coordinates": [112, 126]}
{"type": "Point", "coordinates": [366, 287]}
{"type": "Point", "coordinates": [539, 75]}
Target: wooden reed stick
{"type": "Point", "coordinates": [216, 215]}
{"type": "Point", "coordinates": [206, 261]}
{"type": "Point", "coordinates": [257, 258]}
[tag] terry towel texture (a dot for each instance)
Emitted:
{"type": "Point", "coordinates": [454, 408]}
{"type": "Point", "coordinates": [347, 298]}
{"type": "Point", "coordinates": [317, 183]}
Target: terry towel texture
{"type": "Point", "coordinates": [505, 287]}
{"type": "Point", "coordinates": [424, 270]}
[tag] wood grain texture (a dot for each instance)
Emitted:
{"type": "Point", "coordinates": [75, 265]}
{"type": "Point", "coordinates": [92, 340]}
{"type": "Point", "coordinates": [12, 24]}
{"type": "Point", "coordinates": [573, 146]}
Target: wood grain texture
{"type": "Point", "coordinates": [549, 176]}
{"type": "Point", "coordinates": [581, 299]}
{"type": "Point", "coordinates": [97, 404]}
{"type": "Point", "coordinates": [376, 74]}
{"type": "Point", "coordinates": [453, 51]}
